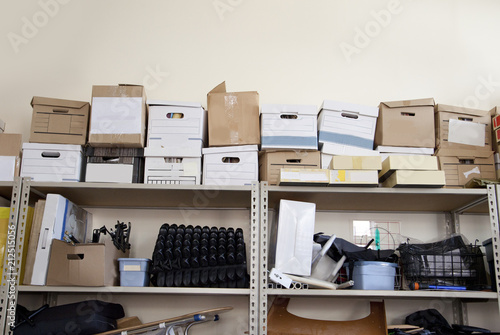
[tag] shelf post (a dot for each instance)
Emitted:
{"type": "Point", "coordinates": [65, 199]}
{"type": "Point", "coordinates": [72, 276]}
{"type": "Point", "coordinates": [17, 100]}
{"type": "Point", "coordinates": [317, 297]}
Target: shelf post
{"type": "Point", "coordinates": [254, 261]}
{"type": "Point", "coordinates": [264, 257]}
{"type": "Point", "coordinates": [493, 205]}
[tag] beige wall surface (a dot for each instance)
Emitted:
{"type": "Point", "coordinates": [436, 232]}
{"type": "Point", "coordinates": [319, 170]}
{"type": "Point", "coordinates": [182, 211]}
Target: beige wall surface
{"type": "Point", "coordinates": [291, 51]}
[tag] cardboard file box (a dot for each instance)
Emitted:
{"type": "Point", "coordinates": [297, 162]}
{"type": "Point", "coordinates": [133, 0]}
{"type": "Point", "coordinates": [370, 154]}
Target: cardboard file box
{"type": "Point", "coordinates": [271, 162]}
{"type": "Point", "coordinates": [118, 117]}
{"type": "Point", "coordinates": [305, 177]}
{"type": "Point", "coordinates": [465, 129]}
{"type": "Point", "coordinates": [236, 165]}
{"type": "Point", "coordinates": [407, 123]}
{"type": "Point", "coordinates": [84, 264]}
{"type": "Point", "coordinates": [353, 178]}
{"type": "Point", "coordinates": [414, 178]}
{"type": "Point", "coordinates": [52, 162]}
{"type": "Point", "coordinates": [59, 121]}
{"type": "Point", "coordinates": [115, 165]}
{"type": "Point", "coordinates": [176, 123]}
{"type": "Point", "coordinates": [386, 151]}
{"type": "Point", "coordinates": [347, 124]}
{"type": "Point", "coordinates": [356, 163]}
{"type": "Point", "coordinates": [10, 152]}
{"type": "Point", "coordinates": [407, 162]}
{"type": "Point", "coordinates": [459, 168]}
{"type": "Point", "coordinates": [328, 150]}
{"type": "Point", "coordinates": [164, 167]}
{"type": "Point", "coordinates": [233, 117]}
{"type": "Point", "coordinates": [289, 127]}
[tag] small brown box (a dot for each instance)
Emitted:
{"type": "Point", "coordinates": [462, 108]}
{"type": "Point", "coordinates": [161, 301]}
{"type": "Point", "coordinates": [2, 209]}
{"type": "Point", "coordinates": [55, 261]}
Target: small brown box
{"type": "Point", "coordinates": [271, 162]}
{"type": "Point", "coordinates": [460, 167]}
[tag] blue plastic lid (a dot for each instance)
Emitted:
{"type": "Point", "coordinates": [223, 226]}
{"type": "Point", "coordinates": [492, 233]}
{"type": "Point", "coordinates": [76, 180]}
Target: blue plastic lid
{"type": "Point", "coordinates": [377, 263]}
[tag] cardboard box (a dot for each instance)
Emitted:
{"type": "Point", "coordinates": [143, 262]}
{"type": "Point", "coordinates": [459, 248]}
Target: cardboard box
{"type": "Point", "coordinates": [52, 162]}
{"type": "Point", "coordinates": [353, 177]}
{"type": "Point", "coordinates": [84, 264]}
{"type": "Point", "coordinates": [408, 123]}
{"type": "Point", "coordinates": [271, 162]}
{"type": "Point", "coordinates": [59, 121]}
{"type": "Point", "coordinates": [459, 128]}
{"type": "Point", "coordinates": [495, 119]}
{"type": "Point", "coordinates": [173, 123]}
{"type": "Point", "coordinates": [306, 177]}
{"type": "Point", "coordinates": [497, 164]}
{"type": "Point", "coordinates": [233, 117]}
{"type": "Point", "coordinates": [414, 178]}
{"type": "Point", "coordinates": [114, 165]}
{"type": "Point", "coordinates": [164, 168]}
{"type": "Point", "coordinates": [386, 151]}
{"type": "Point", "coordinates": [356, 163]}
{"type": "Point", "coordinates": [235, 165]}
{"type": "Point", "coordinates": [407, 162]}
{"type": "Point", "coordinates": [459, 169]}
{"type": "Point", "coordinates": [11, 144]}
{"type": "Point", "coordinates": [329, 150]}
{"type": "Point", "coordinates": [118, 117]}
{"type": "Point", "coordinates": [289, 127]}
{"type": "Point", "coordinates": [10, 152]}
{"type": "Point", "coordinates": [61, 218]}
{"type": "Point", "coordinates": [347, 124]}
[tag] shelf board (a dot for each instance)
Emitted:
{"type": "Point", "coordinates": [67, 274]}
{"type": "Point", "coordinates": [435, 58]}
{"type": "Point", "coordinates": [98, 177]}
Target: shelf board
{"type": "Point", "coordinates": [148, 195]}
{"type": "Point", "coordinates": [380, 199]}
{"type": "Point", "coordinates": [134, 290]}
{"type": "Point", "coordinates": [472, 295]}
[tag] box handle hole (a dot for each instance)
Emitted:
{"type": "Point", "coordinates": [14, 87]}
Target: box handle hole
{"type": "Point", "coordinates": [175, 115]}
{"type": "Point", "coordinates": [230, 159]}
{"type": "Point", "coordinates": [468, 119]}
{"type": "Point", "coordinates": [288, 116]}
{"type": "Point", "coordinates": [48, 154]}
{"type": "Point", "coordinates": [407, 114]}
{"type": "Point", "coordinates": [110, 159]}
{"type": "Point", "coordinates": [172, 160]}
{"type": "Point", "coordinates": [466, 161]}
{"type": "Point", "coordinates": [75, 256]}
{"type": "Point", "coordinates": [294, 161]}
{"type": "Point", "coordinates": [350, 116]}
{"type": "Point", "coordinates": [57, 110]}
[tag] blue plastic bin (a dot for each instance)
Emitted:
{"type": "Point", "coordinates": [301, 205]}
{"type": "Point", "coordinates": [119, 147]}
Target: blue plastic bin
{"type": "Point", "coordinates": [134, 271]}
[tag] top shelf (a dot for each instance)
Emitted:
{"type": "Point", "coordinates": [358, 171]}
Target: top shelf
{"type": "Point", "coordinates": [384, 199]}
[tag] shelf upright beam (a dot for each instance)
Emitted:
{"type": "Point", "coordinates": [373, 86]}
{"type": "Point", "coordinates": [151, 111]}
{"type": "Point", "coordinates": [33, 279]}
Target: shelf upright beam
{"type": "Point", "coordinates": [493, 205]}
{"type": "Point", "coordinates": [254, 261]}
{"type": "Point", "coordinates": [263, 257]}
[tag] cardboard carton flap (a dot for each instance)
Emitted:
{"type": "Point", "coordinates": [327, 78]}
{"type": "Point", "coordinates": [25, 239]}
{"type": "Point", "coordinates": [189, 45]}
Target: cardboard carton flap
{"type": "Point", "coordinates": [289, 109]}
{"type": "Point", "coordinates": [57, 102]}
{"type": "Point", "coordinates": [495, 111]}
{"type": "Point", "coordinates": [460, 110]}
{"type": "Point", "coordinates": [173, 103]}
{"type": "Point", "coordinates": [464, 154]}
{"type": "Point", "coordinates": [349, 107]}
{"type": "Point", "coordinates": [409, 103]}
{"type": "Point", "coordinates": [221, 88]}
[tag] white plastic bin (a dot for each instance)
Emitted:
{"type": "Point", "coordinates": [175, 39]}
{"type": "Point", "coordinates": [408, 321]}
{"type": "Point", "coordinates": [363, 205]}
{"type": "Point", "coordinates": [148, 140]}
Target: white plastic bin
{"type": "Point", "coordinates": [372, 275]}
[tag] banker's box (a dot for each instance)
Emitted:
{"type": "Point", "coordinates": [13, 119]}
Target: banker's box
{"type": "Point", "coordinates": [289, 127]}
{"type": "Point", "coordinates": [59, 121]}
{"type": "Point", "coordinates": [408, 123]}
{"type": "Point", "coordinates": [115, 165]}
{"type": "Point", "coordinates": [164, 166]}
{"type": "Point", "coordinates": [235, 165]}
{"type": "Point", "coordinates": [176, 123]}
{"type": "Point", "coordinates": [118, 116]}
{"type": "Point", "coordinates": [10, 152]}
{"type": "Point", "coordinates": [84, 264]}
{"type": "Point", "coordinates": [271, 162]}
{"type": "Point", "coordinates": [233, 117]}
{"type": "Point", "coordinates": [459, 169]}
{"type": "Point", "coordinates": [464, 129]}
{"type": "Point", "coordinates": [52, 162]}
{"type": "Point", "coordinates": [346, 125]}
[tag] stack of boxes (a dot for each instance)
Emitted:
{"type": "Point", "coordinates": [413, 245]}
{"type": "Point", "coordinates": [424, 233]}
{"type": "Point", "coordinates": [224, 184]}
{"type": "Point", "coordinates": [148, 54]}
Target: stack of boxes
{"type": "Point", "coordinates": [495, 137]}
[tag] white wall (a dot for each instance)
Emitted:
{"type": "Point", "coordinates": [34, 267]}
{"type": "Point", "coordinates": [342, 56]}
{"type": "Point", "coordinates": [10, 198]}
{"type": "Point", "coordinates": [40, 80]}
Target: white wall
{"type": "Point", "coordinates": [290, 51]}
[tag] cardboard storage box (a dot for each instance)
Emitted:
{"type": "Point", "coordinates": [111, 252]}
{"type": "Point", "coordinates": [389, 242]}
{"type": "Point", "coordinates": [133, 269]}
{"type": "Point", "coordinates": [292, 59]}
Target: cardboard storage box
{"type": "Point", "coordinates": [118, 116]}
{"type": "Point", "coordinates": [415, 178]}
{"type": "Point", "coordinates": [10, 152]}
{"type": "Point", "coordinates": [271, 162]}
{"type": "Point", "coordinates": [407, 162]}
{"type": "Point", "coordinates": [52, 162]}
{"type": "Point", "coordinates": [176, 123]}
{"type": "Point", "coordinates": [347, 124]}
{"type": "Point", "coordinates": [459, 169]}
{"type": "Point", "coordinates": [233, 117]}
{"type": "Point", "coordinates": [59, 121]}
{"type": "Point", "coordinates": [495, 123]}
{"type": "Point", "coordinates": [164, 167]}
{"type": "Point", "coordinates": [114, 165]}
{"type": "Point", "coordinates": [356, 163]}
{"type": "Point", "coordinates": [235, 165]}
{"type": "Point", "coordinates": [329, 150]}
{"type": "Point", "coordinates": [306, 177]}
{"type": "Point", "coordinates": [84, 264]}
{"type": "Point", "coordinates": [289, 127]}
{"type": "Point", "coordinates": [353, 178]}
{"type": "Point", "coordinates": [408, 123]}
{"type": "Point", "coordinates": [465, 129]}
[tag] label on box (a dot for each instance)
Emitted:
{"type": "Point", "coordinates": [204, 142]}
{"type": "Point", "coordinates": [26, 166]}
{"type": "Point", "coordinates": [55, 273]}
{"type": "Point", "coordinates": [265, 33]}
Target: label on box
{"type": "Point", "coordinates": [132, 268]}
{"type": "Point", "coordinates": [116, 115]}
{"type": "Point", "coordinates": [466, 132]}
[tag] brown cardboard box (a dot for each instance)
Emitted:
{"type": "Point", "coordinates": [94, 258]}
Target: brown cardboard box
{"type": "Point", "coordinates": [118, 116]}
{"type": "Point", "coordinates": [408, 123]}
{"type": "Point", "coordinates": [356, 163]}
{"type": "Point", "coordinates": [407, 162]}
{"type": "Point", "coordinates": [10, 146]}
{"type": "Point", "coordinates": [495, 123]}
{"type": "Point", "coordinates": [270, 163]}
{"type": "Point", "coordinates": [59, 121]}
{"type": "Point", "coordinates": [460, 168]}
{"type": "Point", "coordinates": [85, 264]}
{"type": "Point", "coordinates": [233, 118]}
{"type": "Point", "coordinates": [460, 128]}
{"type": "Point", "coordinates": [414, 178]}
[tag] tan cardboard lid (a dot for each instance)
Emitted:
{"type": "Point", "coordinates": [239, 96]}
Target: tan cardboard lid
{"type": "Point", "coordinates": [10, 144]}
{"type": "Point", "coordinates": [57, 102]}
{"type": "Point", "coordinates": [221, 88]}
{"type": "Point", "coordinates": [409, 103]}
{"type": "Point", "coordinates": [460, 110]}
{"type": "Point", "coordinates": [121, 90]}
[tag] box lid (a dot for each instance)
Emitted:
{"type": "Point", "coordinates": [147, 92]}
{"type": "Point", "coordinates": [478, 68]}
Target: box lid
{"type": "Point", "coordinates": [460, 110]}
{"type": "Point", "coordinates": [57, 102]}
{"type": "Point", "coordinates": [464, 154]}
{"type": "Point", "coordinates": [405, 150]}
{"type": "Point", "coordinates": [288, 109]}
{"type": "Point", "coordinates": [120, 90]}
{"type": "Point", "coordinates": [236, 148]}
{"type": "Point", "coordinates": [409, 103]}
{"type": "Point", "coordinates": [173, 103]}
{"type": "Point", "coordinates": [49, 146]}
{"type": "Point", "coordinates": [349, 107]}
{"type": "Point", "coordinates": [174, 151]}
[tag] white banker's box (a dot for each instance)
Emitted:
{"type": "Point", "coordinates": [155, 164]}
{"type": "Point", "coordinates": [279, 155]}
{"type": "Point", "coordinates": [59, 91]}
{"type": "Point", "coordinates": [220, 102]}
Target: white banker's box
{"type": "Point", "coordinates": [171, 123]}
{"type": "Point", "coordinates": [233, 165]}
{"type": "Point", "coordinates": [164, 166]}
{"type": "Point", "coordinates": [52, 162]}
{"type": "Point", "coordinates": [289, 127]}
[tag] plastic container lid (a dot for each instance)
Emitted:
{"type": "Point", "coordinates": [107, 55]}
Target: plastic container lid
{"type": "Point", "coordinates": [377, 263]}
